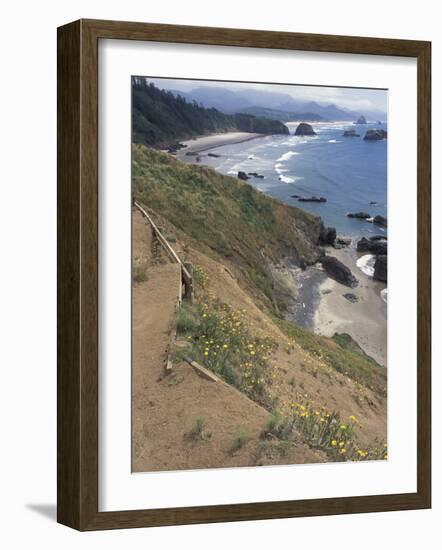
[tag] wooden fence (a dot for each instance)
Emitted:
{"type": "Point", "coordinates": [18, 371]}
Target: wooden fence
{"type": "Point", "coordinates": [186, 269]}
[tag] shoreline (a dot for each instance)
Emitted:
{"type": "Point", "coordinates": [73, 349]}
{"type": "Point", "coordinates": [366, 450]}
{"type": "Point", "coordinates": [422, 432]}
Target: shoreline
{"type": "Point", "coordinates": [321, 306]}
{"type": "Point", "coordinates": [365, 320]}
{"type": "Point", "coordinates": [212, 141]}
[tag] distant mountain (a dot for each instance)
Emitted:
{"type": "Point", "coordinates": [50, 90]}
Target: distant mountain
{"type": "Point", "coordinates": [224, 100]}
{"type": "Point", "coordinates": [272, 104]}
{"type": "Point", "coordinates": [160, 118]}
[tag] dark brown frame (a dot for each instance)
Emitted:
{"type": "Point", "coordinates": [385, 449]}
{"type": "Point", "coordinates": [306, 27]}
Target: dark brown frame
{"type": "Point", "coordinates": [77, 462]}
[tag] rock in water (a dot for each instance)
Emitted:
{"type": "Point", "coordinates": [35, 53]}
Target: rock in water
{"type": "Point", "coordinates": [243, 176]}
{"type": "Point", "coordinates": [312, 199]}
{"type": "Point", "coordinates": [375, 135]}
{"type": "Point", "coordinates": [304, 129]}
{"type": "Point", "coordinates": [350, 133]}
{"type": "Point", "coordinates": [380, 268]}
{"type": "Point", "coordinates": [375, 247]}
{"type": "Point", "coordinates": [361, 120]}
{"type": "Point", "coordinates": [380, 220]}
{"type": "Point", "coordinates": [338, 271]}
{"type": "Point", "coordinates": [327, 235]}
{"type": "Point", "coordinates": [359, 215]}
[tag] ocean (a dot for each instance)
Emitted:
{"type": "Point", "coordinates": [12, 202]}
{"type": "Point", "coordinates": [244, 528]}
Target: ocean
{"type": "Point", "coordinates": [349, 172]}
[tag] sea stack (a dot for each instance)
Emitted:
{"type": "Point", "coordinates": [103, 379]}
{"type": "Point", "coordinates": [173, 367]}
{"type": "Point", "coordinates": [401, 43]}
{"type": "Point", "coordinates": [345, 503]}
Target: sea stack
{"type": "Point", "coordinates": [361, 120]}
{"type": "Point", "coordinates": [304, 129]}
{"type": "Point", "coordinates": [375, 135]}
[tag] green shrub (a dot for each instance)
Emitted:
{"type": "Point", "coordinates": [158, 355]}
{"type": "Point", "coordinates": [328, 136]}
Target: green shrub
{"type": "Point", "coordinates": [187, 319]}
{"type": "Point", "coordinates": [220, 339]}
{"type": "Point", "coordinates": [196, 432]}
{"type": "Point", "coordinates": [240, 438]}
{"type": "Point", "coordinates": [139, 274]}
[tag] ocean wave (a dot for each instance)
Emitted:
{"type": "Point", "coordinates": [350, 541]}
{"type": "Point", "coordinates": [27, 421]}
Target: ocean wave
{"type": "Point", "coordinates": [286, 179]}
{"type": "Point", "coordinates": [281, 171]}
{"type": "Point", "coordinates": [334, 141]}
{"type": "Point", "coordinates": [366, 264]}
{"type": "Point", "coordinates": [279, 168]}
{"type": "Point", "coordinates": [286, 156]}
{"type": "Point", "coordinates": [384, 294]}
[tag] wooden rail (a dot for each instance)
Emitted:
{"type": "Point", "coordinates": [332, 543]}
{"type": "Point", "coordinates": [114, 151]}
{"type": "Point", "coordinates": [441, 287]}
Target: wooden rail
{"type": "Point", "coordinates": [186, 275]}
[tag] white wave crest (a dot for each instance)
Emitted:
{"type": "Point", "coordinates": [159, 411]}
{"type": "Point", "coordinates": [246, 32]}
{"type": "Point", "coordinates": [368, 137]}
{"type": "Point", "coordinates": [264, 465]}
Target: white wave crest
{"type": "Point", "coordinates": [286, 179]}
{"type": "Point", "coordinates": [287, 155]}
{"type": "Point", "coordinates": [279, 168]}
{"type": "Point", "coordinates": [366, 264]}
{"type": "Point", "coordinates": [280, 171]}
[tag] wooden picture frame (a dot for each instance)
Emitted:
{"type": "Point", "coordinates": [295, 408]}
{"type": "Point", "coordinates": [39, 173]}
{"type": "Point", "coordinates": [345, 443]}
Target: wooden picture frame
{"type": "Point", "coordinates": [77, 462]}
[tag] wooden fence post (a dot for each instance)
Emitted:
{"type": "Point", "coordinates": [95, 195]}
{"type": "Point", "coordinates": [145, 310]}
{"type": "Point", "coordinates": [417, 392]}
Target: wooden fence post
{"type": "Point", "coordinates": [188, 284]}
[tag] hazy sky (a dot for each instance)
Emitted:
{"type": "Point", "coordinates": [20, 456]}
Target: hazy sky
{"type": "Point", "coordinates": [351, 98]}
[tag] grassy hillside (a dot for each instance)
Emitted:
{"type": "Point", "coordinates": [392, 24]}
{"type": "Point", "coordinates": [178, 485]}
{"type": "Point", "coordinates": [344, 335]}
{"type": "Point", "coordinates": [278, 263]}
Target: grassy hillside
{"type": "Point", "coordinates": [226, 216]}
{"type": "Point", "coordinates": [317, 393]}
{"type": "Point", "coordinates": [160, 118]}
{"type": "Point", "coordinates": [292, 396]}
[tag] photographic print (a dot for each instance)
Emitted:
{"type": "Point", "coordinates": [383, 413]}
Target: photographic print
{"type": "Point", "coordinates": [259, 274]}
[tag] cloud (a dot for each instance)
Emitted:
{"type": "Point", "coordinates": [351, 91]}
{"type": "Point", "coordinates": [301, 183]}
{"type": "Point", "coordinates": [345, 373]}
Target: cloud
{"type": "Point", "coordinates": [350, 98]}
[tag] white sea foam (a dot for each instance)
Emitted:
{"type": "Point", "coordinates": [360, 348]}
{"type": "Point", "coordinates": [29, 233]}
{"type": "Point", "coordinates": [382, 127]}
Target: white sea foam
{"type": "Point", "coordinates": [287, 155]}
{"type": "Point", "coordinates": [384, 294]}
{"type": "Point", "coordinates": [334, 141]}
{"type": "Point", "coordinates": [280, 171]}
{"type": "Point", "coordinates": [286, 179]}
{"type": "Point", "coordinates": [279, 168]}
{"type": "Point", "coordinates": [366, 264]}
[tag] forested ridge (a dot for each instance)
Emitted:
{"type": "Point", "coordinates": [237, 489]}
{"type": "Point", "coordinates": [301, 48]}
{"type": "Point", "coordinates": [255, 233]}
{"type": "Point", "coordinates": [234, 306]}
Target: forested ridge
{"type": "Point", "coordinates": [160, 118]}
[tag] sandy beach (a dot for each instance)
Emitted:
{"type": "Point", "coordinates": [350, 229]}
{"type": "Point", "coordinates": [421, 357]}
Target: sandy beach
{"type": "Point", "coordinates": [365, 320]}
{"type": "Point", "coordinates": [205, 143]}
{"type": "Point", "coordinates": [320, 304]}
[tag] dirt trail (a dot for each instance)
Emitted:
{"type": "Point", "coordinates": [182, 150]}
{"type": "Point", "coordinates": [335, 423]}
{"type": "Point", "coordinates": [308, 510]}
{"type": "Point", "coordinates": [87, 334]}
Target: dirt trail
{"type": "Point", "coordinates": [165, 409]}
{"type": "Point", "coordinates": [154, 301]}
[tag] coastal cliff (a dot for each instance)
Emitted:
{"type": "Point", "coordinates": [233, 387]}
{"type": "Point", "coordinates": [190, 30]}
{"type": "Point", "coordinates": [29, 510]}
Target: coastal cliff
{"type": "Point", "coordinates": [242, 245]}
{"type": "Point", "coordinates": [228, 219]}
